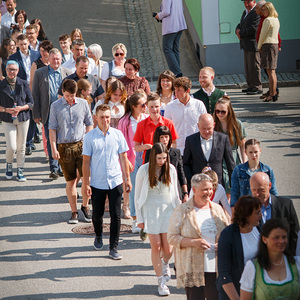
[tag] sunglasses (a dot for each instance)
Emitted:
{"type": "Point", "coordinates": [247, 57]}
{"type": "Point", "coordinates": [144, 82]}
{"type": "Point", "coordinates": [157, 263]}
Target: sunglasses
{"type": "Point", "coordinates": [222, 112]}
{"type": "Point", "coordinates": [121, 54]}
{"type": "Point", "coordinates": [144, 104]}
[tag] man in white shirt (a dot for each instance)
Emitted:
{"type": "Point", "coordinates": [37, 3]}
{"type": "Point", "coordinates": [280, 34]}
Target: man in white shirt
{"type": "Point", "coordinates": [184, 111]}
{"type": "Point", "coordinates": [8, 18]}
{"type": "Point", "coordinates": [78, 48]}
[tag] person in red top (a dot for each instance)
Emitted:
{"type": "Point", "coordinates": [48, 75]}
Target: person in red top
{"type": "Point", "coordinates": [143, 138]}
{"type": "Point", "coordinates": [258, 10]}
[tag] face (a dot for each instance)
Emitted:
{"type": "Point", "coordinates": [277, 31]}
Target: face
{"type": "Point", "coordinates": [31, 34]}
{"type": "Point", "coordinates": [78, 51]}
{"type": "Point", "coordinates": [166, 84]}
{"type": "Point", "coordinates": [258, 10]}
{"type": "Point", "coordinates": [55, 60]}
{"type": "Point", "coordinates": [181, 93]}
{"type": "Point", "coordinates": [206, 128]}
{"type": "Point", "coordinates": [265, 12]}
{"type": "Point", "coordinates": [164, 139]}
{"type": "Point", "coordinates": [12, 71]}
{"type": "Point", "coordinates": [154, 108]}
{"type": "Point", "coordinates": [38, 27]}
{"type": "Point", "coordinates": [103, 119]}
{"type": "Point", "coordinates": [253, 152]}
{"type": "Point", "coordinates": [205, 78]}
{"type": "Point", "coordinates": [82, 69]}
{"type": "Point", "coordinates": [44, 53]}
{"type": "Point", "coordinates": [203, 191]}
{"type": "Point", "coordinates": [116, 96]}
{"type": "Point", "coordinates": [141, 106]}
{"type": "Point", "coordinates": [87, 92]}
{"type": "Point", "coordinates": [276, 241]}
{"type": "Point", "coordinates": [65, 45]}
{"type": "Point", "coordinates": [23, 45]}
{"type": "Point", "coordinates": [161, 159]}
{"type": "Point", "coordinates": [20, 19]}
{"type": "Point", "coordinates": [255, 217]}
{"type": "Point", "coordinates": [260, 189]}
{"type": "Point", "coordinates": [90, 54]}
{"type": "Point", "coordinates": [249, 4]}
{"type": "Point", "coordinates": [119, 55]}
{"type": "Point", "coordinates": [130, 71]}
{"type": "Point", "coordinates": [10, 5]}
{"type": "Point", "coordinates": [76, 36]}
{"type": "Point", "coordinates": [11, 48]}
{"type": "Point", "coordinates": [70, 98]}
{"type": "Point", "coordinates": [221, 111]}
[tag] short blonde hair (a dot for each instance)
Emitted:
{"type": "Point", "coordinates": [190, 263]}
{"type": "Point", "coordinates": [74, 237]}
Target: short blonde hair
{"type": "Point", "coordinates": [208, 69]}
{"type": "Point", "coordinates": [119, 46]}
{"type": "Point", "coordinates": [271, 9]}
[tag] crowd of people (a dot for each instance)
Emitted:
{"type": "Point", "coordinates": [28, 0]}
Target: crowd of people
{"type": "Point", "coordinates": [180, 162]}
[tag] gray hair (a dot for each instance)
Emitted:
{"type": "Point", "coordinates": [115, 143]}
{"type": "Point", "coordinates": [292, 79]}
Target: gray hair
{"type": "Point", "coordinates": [54, 51]}
{"type": "Point", "coordinates": [78, 42]}
{"type": "Point", "coordinates": [260, 3]}
{"type": "Point", "coordinates": [198, 178]}
{"type": "Point", "coordinates": [96, 49]}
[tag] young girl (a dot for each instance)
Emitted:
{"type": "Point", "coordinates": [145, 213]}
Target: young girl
{"type": "Point", "coordinates": [240, 179]}
{"type": "Point", "coordinates": [226, 122]}
{"type": "Point", "coordinates": [84, 91]}
{"type": "Point", "coordinates": [135, 108]}
{"type": "Point", "coordinates": [165, 88]}
{"type": "Point", "coordinates": [156, 196]}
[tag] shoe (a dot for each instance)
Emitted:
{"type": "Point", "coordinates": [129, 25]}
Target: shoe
{"type": "Point", "coordinates": [98, 243]}
{"type": "Point", "coordinates": [28, 151]}
{"type": "Point", "coordinates": [143, 235]}
{"type": "Point", "coordinates": [135, 229]}
{"type": "Point", "coordinates": [265, 95]}
{"type": "Point", "coordinates": [9, 172]}
{"type": "Point", "coordinates": [36, 139]}
{"type": "Point", "coordinates": [166, 270]}
{"type": "Point", "coordinates": [254, 92]}
{"type": "Point", "coordinates": [126, 211]}
{"type": "Point", "coordinates": [53, 175]}
{"type": "Point", "coordinates": [33, 147]}
{"type": "Point", "coordinates": [115, 254]}
{"type": "Point", "coordinates": [86, 213]}
{"type": "Point", "coordinates": [275, 97]}
{"type": "Point", "coordinates": [60, 172]}
{"type": "Point", "coordinates": [271, 98]}
{"type": "Point", "coordinates": [74, 218]}
{"type": "Point", "coordinates": [246, 90]}
{"type": "Point", "coordinates": [20, 176]}
{"type": "Point", "coordinates": [163, 290]}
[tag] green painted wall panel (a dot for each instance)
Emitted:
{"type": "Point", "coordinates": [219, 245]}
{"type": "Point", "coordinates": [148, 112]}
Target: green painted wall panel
{"type": "Point", "coordinates": [194, 7]}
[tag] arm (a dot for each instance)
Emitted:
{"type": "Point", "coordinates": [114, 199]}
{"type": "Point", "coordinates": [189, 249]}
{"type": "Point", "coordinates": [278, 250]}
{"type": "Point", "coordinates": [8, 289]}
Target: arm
{"type": "Point", "coordinates": [273, 189]}
{"type": "Point", "coordinates": [294, 229]}
{"type": "Point", "coordinates": [242, 151]}
{"type": "Point", "coordinates": [36, 110]}
{"type": "Point", "coordinates": [86, 175]}
{"type": "Point", "coordinates": [228, 157]}
{"type": "Point", "coordinates": [1, 74]}
{"type": "Point", "coordinates": [263, 33]}
{"type": "Point", "coordinates": [251, 27]}
{"type": "Point", "coordinates": [138, 147]}
{"type": "Point", "coordinates": [187, 162]}
{"type": "Point", "coordinates": [89, 128]}
{"type": "Point", "coordinates": [231, 291]}
{"type": "Point", "coordinates": [52, 137]}
{"type": "Point", "coordinates": [181, 177]}
{"type": "Point", "coordinates": [235, 187]}
{"type": "Point", "coordinates": [246, 295]}
{"type": "Point", "coordinates": [32, 72]}
{"type": "Point", "coordinates": [166, 10]}
{"type": "Point", "coordinates": [125, 171]}
{"type": "Point", "coordinates": [137, 195]}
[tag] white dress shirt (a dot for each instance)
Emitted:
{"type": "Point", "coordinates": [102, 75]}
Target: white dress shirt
{"type": "Point", "coordinates": [27, 64]}
{"type": "Point", "coordinates": [206, 146]}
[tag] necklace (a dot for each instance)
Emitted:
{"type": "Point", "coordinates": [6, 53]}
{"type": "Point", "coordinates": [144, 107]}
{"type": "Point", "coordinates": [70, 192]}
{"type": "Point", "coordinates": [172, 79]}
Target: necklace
{"type": "Point", "coordinates": [278, 265]}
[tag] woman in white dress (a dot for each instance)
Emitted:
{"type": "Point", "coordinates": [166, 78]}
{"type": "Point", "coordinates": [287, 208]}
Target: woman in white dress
{"type": "Point", "coordinates": [156, 196]}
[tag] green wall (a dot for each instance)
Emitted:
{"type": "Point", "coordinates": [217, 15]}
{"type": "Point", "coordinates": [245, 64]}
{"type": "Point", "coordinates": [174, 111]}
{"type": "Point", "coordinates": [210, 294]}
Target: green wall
{"type": "Point", "coordinates": [194, 7]}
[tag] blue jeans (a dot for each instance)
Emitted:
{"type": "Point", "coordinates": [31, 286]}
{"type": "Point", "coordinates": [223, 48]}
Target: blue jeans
{"type": "Point", "coordinates": [171, 51]}
{"type": "Point", "coordinates": [52, 162]}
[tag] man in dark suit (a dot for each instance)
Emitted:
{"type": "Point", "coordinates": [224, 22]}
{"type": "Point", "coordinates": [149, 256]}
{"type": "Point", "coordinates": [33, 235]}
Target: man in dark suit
{"type": "Point", "coordinates": [45, 91]}
{"type": "Point", "coordinates": [207, 148]}
{"type": "Point", "coordinates": [246, 32]}
{"type": "Point", "coordinates": [275, 207]}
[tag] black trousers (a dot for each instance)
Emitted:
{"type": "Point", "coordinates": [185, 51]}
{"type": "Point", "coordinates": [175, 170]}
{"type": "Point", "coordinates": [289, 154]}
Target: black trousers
{"type": "Point", "coordinates": [98, 204]}
{"type": "Point", "coordinates": [208, 292]}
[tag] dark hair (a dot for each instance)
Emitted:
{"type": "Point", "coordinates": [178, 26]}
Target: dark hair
{"type": "Point", "coordinates": [102, 107]}
{"type": "Point", "coordinates": [153, 97]}
{"type": "Point", "coordinates": [70, 86]}
{"type": "Point", "coordinates": [165, 74]}
{"type": "Point", "coordinates": [6, 42]}
{"type": "Point", "coordinates": [134, 62]}
{"type": "Point", "coordinates": [251, 142]}
{"type": "Point", "coordinates": [22, 37]}
{"type": "Point", "coordinates": [21, 12]}
{"type": "Point", "coordinates": [47, 45]}
{"type": "Point", "coordinates": [16, 29]}
{"type": "Point", "coordinates": [63, 37]}
{"type": "Point", "coordinates": [82, 58]}
{"type": "Point", "coordinates": [262, 253]}
{"type": "Point", "coordinates": [233, 128]}
{"type": "Point", "coordinates": [108, 80]}
{"type": "Point", "coordinates": [164, 176]}
{"type": "Point", "coordinates": [244, 208]}
{"type": "Point", "coordinates": [133, 101]}
{"type": "Point", "coordinates": [184, 82]}
{"type": "Point", "coordinates": [162, 130]}
{"type": "Point", "coordinates": [41, 35]}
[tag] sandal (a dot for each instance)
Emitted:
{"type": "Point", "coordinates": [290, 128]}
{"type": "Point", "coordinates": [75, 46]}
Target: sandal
{"type": "Point", "coordinates": [126, 212]}
{"type": "Point", "coordinates": [268, 99]}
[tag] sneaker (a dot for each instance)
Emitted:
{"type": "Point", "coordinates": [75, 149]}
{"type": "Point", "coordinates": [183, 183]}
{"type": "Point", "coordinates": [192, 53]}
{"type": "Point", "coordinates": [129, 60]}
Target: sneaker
{"type": "Point", "coordinates": [254, 91]}
{"type": "Point", "coordinates": [135, 228]}
{"type": "Point", "coordinates": [143, 235]}
{"type": "Point", "coordinates": [53, 175]}
{"type": "Point", "coordinates": [74, 218]}
{"type": "Point", "coordinates": [20, 176]}
{"type": "Point", "coordinates": [28, 151]}
{"type": "Point", "coordinates": [98, 243]}
{"type": "Point", "coordinates": [115, 254]}
{"type": "Point", "coordinates": [163, 290]}
{"type": "Point", "coordinates": [9, 172]}
{"type": "Point", "coordinates": [33, 147]}
{"type": "Point", "coordinates": [86, 213]}
{"type": "Point", "coordinates": [166, 270]}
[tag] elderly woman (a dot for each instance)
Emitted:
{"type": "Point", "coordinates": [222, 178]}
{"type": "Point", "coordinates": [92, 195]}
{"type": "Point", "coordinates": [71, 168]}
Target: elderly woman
{"type": "Point", "coordinates": [115, 67]}
{"type": "Point", "coordinates": [194, 231]}
{"type": "Point", "coordinates": [15, 103]}
{"type": "Point", "coordinates": [95, 52]}
{"type": "Point", "coordinates": [237, 244]}
{"type": "Point", "coordinates": [131, 81]}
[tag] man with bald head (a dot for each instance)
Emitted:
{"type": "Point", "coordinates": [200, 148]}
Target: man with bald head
{"type": "Point", "coordinates": [207, 148]}
{"type": "Point", "coordinates": [275, 207]}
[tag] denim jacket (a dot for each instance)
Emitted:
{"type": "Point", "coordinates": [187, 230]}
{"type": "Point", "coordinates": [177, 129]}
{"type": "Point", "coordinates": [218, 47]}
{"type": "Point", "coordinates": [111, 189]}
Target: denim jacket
{"type": "Point", "coordinates": [240, 181]}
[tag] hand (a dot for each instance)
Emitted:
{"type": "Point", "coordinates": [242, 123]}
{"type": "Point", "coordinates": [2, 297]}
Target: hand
{"type": "Point", "coordinates": [201, 244]}
{"type": "Point", "coordinates": [38, 120]}
{"type": "Point", "coordinates": [279, 49]}
{"type": "Point", "coordinates": [185, 198]}
{"type": "Point", "coordinates": [141, 225]}
{"type": "Point", "coordinates": [128, 186]}
{"type": "Point", "coordinates": [87, 190]}
{"type": "Point", "coordinates": [147, 146]}
{"type": "Point", "coordinates": [157, 17]}
{"type": "Point", "coordinates": [55, 154]}
{"type": "Point", "coordinates": [237, 32]}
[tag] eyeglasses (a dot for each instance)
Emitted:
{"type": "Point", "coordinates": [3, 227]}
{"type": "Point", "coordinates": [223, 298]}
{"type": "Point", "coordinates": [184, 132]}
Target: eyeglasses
{"type": "Point", "coordinates": [121, 54]}
{"type": "Point", "coordinates": [12, 70]}
{"type": "Point", "coordinates": [222, 112]}
{"type": "Point", "coordinates": [144, 104]}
